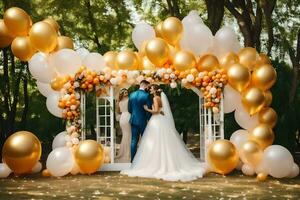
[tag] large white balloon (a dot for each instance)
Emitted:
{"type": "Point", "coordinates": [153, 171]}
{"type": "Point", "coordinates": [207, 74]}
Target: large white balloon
{"type": "Point", "coordinates": [44, 88]}
{"type": "Point", "coordinates": [59, 140]}
{"type": "Point", "coordinates": [294, 172]}
{"type": "Point", "coordinates": [279, 161]}
{"type": "Point", "coordinates": [243, 118]}
{"type": "Point", "coordinates": [37, 168]}
{"type": "Point", "coordinates": [82, 52]}
{"type": "Point", "coordinates": [60, 161]}
{"type": "Point", "coordinates": [4, 170]}
{"type": "Point", "coordinates": [52, 104]}
{"type": "Point", "coordinates": [66, 61]}
{"type": "Point", "coordinates": [142, 32]}
{"type": "Point", "coordinates": [226, 40]}
{"type": "Point", "coordinates": [248, 170]}
{"type": "Point", "coordinates": [94, 62]}
{"type": "Point", "coordinates": [232, 99]}
{"type": "Point", "coordinates": [40, 69]}
{"type": "Point", "coordinates": [239, 137]}
{"type": "Point", "coordinates": [191, 20]}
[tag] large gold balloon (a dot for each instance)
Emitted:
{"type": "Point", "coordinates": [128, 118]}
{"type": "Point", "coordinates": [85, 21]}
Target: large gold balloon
{"type": "Point", "coordinates": [64, 42]}
{"type": "Point", "coordinates": [21, 151]}
{"type": "Point", "coordinates": [228, 60]}
{"type": "Point", "coordinates": [17, 21]}
{"type": "Point", "coordinates": [223, 156]}
{"type": "Point", "coordinates": [157, 51]}
{"type": "Point", "coordinates": [127, 60]}
{"type": "Point", "coordinates": [110, 59]}
{"type": "Point", "coordinates": [263, 135]}
{"type": "Point", "coordinates": [142, 51]}
{"type": "Point", "coordinates": [207, 63]}
{"type": "Point", "coordinates": [251, 153]}
{"type": "Point", "coordinates": [253, 99]}
{"type": "Point", "coordinates": [22, 48]}
{"type": "Point", "coordinates": [158, 30]}
{"type": "Point", "coordinates": [268, 116]}
{"type": "Point", "coordinates": [43, 37]}
{"type": "Point", "coordinates": [248, 57]}
{"type": "Point", "coordinates": [172, 30]}
{"type": "Point", "coordinates": [58, 82]}
{"type": "Point", "coordinates": [52, 23]}
{"type": "Point", "coordinates": [89, 156]}
{"type": "Point", "coordinates": [264, 76]}
{"type": "Point", "coordinates": [5, 37]}
{"type": "Point", "coordinates": [147, 64]}
{"type": "Point", "coordinates": [184, 60]}
{"type": "Point", "coordinates": [262, 177]}
{"type": "Point", "coordinates": [262, 59]}
{"type": "Point", "coordinates": [268, 98]}
{"type": "Point", "coordinates": [238, 76]}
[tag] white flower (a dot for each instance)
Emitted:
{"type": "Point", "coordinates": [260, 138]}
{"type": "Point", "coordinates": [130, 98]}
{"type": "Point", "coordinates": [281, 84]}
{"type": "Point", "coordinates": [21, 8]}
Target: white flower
{"type": "Point", "coordinates": [77, 95]}
{"type": "Point", "coordinates": [184, 81]}
{"type": "Point", "coordinates": [169, 70]}
{"type": "Point", "coordinates": [67, 85]}
{"type": "Point", "coordinates": [69, 144]}
{"type": "Point", "coordinates": [190, 78]}
{"type": "Point", "coordinates": [201, 75]}
{"type": "Point", "coordinates": [213, 90]}
{"type": "Point", "coordinates": [166, 76]}
{"type": "Point", "coordinates": [173, 85]}
{"type": "Point", "coordinates": [75, 140]}
{"type": "Point", "coordinates": [73, 107]}
{"type": "Point", "coordinates": [76, 84]}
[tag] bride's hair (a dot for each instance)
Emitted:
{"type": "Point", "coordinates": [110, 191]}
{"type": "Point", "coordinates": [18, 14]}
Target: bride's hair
{"type": "Point", "coordinates": [157, 89]}
{"type": "Point", "coordinates": [121, 94]}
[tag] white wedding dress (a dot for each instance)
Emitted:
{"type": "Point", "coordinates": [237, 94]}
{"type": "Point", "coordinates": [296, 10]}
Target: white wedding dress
{"type": "Point", "coordinates": [162, 154]}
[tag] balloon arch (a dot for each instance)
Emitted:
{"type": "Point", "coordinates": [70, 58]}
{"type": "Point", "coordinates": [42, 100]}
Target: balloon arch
{"type": "Point", "coordinates": [179, 53]}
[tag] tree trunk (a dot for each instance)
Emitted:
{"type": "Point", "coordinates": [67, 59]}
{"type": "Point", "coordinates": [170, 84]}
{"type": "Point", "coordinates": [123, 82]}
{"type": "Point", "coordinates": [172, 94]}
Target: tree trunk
{"type": "Point", "coordinates": [268, 7]}
{"type": "Point", "coordinates": [173, 8]}
{"type": "Point", "coordinates": [26, 99]}
{"type": "Point", "coordinates": [215, 14]}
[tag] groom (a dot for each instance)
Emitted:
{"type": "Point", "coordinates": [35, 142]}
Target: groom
{"type": "Point", "coordinates": [139, 117]}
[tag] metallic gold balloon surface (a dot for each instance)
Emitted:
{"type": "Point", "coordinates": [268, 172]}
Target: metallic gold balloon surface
{"type": "Point", "coordinates": [43, 37]}
{"type": "Point", "coordinates": [262, 177]}
{"type": "Point", "coordinates": [207, 63]}
{"type": "Point", "coordinates": [46, 173]}
{"type": "Point", "coordinates": [228, 60]}
{"type": "Point", "coordinates": [263, 135]}
{"type": "Point", "coordinates": [52, 23]}
{"type": "Point", "coordinates": [64, 42]}
{"type": "Point", "coordinates": [58, 82]}
{"type": "Point", "coordinates": [248, 57]}
{"type": "Point", "coordinates": [127, 60]}
{"type": "Point", "coordinates": [158, 30]}
{"type": "Point", "coordinates": [147, 64]}
{"type": "Point", "coordinates": [268, 98]}
{"type": "Point", "coordinates": [262, 59]}
{"type": "Point", "coordinates": [184, 60]}
{"type": "Point", "coordinates": [253, 100]}
{"type": "Point", "coordinates": [21, 151]}
{"type": "Point", "coordinates": [238, 76]}
{"type": "Point", "coordinates": [268, 116]}
{"type": "Point", "coordinates": [22, 48]}
{"type": "Point", "coordinates": [5, 37]}
{"type": "Point", "coordinates": [264, 76]}
{"type": "Point", "coordinates": [17, 21]}
{"type": "Point", "coordinates": [172, 30]}
{"type": "Point", "coordinates": [223, 156]}
{"type": "Point", "coordinates": [110, 59]}
{"type": "Point", "coordinates": [142, 51]}
{"type": "Point", "coordinates": [251, 153]}
{"type": "Point", "coordinates": [157, 51]}
{"type": "Point", "coordinates": [89, 156]}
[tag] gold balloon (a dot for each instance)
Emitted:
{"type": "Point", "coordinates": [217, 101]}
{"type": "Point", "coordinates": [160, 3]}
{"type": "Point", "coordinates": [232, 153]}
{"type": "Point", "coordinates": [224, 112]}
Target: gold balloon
{"type": "Point", "coordinates": [207, 63]}
{"type": "Point", "coordinates": [110, 59]}
{"type": "Point", "coordinates": [263, 135]}
{"type": "Point", "coordinates": [262, 177]}
{"type": "Point", "coordinates": [253, 99]}
{"type": "Point", "coordinates": [158, 30]}
{"type": "Point", "coordinates": [184, 60]}
{"type": "Point", "coordinates": [127, 60]}
{"type": "Point", "coordinates": [5, 37]}
{"type": "Point", "coordinates": [268, 98]}
{"type": "Point", "coordinates": [46, 173]}
{"type": "Point", "coordinates": [238, 76]}
{"type": "Point", "coordinates": [143, 49]}
{"type": "Point", "coordinates": [223, 156]}
{"type": "Point", "coordinates": [157, 51]}
{"type": "Point", "coordinates": [17, 21]}
{"type": "Point", "coordinates": [247, 57]}
{"type": "Point", "coordinates": [58, 83]}
{"type": "Point", "coordinates": [262, 59]}
{"type": "Point", "coordinates": [268, 116]}
{"type": "Point", "coordinates": [172, 30]}
{"type": "Point", "coordinates": [251, 153]}
{"type": "Point", "coordinates": [21, 151]}
{"type": "Point", "coordinates": [43, 37]}
{"type": "Point", "coordinates": [64, 42]}
{"type": "Point", "coordinates": [228, 60]}
{"type": "Point", "coordinates": [89, 156]}
{"type": "Point", "coordinates": [52, 23]}
{"type": "Point", "coordinates": [264, 76]}
{"type": "Point", "coordinates": [22, 48]}
{"type": "Point", "coordinates": [147, 64]}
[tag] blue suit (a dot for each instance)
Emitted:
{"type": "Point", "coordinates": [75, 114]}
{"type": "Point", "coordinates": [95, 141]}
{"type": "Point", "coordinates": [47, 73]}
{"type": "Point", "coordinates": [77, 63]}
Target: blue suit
{"type": "Point", "coordinates": [139, 117]}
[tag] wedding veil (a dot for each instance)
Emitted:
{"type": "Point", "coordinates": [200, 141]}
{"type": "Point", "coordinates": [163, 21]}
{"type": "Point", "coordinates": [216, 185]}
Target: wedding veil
{"type": "Point", "coordinates": [167, 110]}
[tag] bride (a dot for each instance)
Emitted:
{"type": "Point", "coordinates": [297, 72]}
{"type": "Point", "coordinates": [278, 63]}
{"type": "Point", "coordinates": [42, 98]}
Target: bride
{"type": "Point", "coordinates": [162, 154]}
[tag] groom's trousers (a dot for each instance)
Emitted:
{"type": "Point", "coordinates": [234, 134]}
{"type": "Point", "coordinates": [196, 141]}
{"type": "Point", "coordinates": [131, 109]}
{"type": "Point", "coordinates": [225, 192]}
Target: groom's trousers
{"type": "Point", "coordinates": [136, 131]}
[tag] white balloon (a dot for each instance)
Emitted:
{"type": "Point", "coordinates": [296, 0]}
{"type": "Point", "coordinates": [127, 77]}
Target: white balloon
{"type": "Point", "coordinates": [294, 172]}
{"type": "Point", "coordinates": [142, 32]}
{"type": "Point", "coordinates": [44, 88]}
{"type": "Point", "coordinates": [66, 61]}
{"type": "Point", "coordinates": [4, 170]}
{"type": "Point", "coordinates": [191, 19]}
{"type": "Point", "coordinates": [279, 161]}
{"type": "Point", "coordinates": [231, 99]}
{"type": "Point", "coordinates": [60, 161]}
{"type": "Point", "coordinates": [243, 118]}
{"type": "Point", "coordinates": [82, 52]}
{"type": "Point", "coordinates": [261, 167]}
{"type": "Point", "coordinates": [52, 104]}
{"type": "Point", "coordinates": [248, 170]}
{"type": "Point", "coordinates": [59, 140]}
{"type": "Point", "coordinates": [239, 137]}
{"type": "Point", "coordinates": [40, 69]}
{"type": "Point", "coordinates": [225, 39]}
{"type": "Point", "coordinates": [94, 62]}
{"type": "Point", "coordinates": [240, 165]}
{"type": "Point", "coordinates": [75, 170]}
{"type": "Point", "coordinates": [37, 168]}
